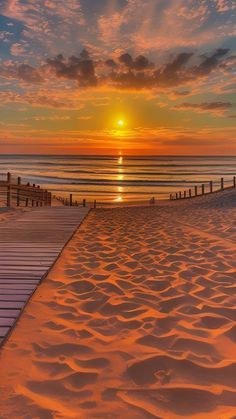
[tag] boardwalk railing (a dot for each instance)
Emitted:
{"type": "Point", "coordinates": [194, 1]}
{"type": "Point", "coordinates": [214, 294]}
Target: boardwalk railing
{"type": "Point", "coordinates": [13, 193]}
{"type": "Point", "coordinates": [204, 189]}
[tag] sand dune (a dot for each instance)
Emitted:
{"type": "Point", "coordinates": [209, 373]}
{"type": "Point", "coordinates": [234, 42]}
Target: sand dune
{"type": "Point", "coordinates": [135, 320]}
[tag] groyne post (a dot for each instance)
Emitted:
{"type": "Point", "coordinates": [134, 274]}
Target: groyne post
{"type": "Point", "coordinates": [211, 186]}
{"type": "Point", "coordinates": [195, 190]}
{"type": "Point", "coordinates": [9, 190]}
{"type": "Point", "coordinates": [71, 200]}
{"type": "Point", "coordinates": [203, 189]}
{"type": "Point", "coordinates": [222, 183]}
{"type": "Point", "coordinates": [190, 193]}
{"type": "Point", "coordinates": [18, 191]}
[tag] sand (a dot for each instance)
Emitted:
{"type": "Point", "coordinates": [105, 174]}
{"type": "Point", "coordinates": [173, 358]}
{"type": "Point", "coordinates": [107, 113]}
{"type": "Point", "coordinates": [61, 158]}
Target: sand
{"type": "Point", "coordinates": [137, 319]}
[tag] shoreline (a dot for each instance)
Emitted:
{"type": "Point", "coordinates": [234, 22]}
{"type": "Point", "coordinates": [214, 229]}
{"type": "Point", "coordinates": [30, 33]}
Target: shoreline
{"type": "Point", "coordinates": [136, 319]}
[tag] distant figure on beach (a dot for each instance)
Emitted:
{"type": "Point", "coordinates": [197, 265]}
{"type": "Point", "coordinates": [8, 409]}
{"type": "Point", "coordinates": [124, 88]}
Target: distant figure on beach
{"type": "Point", "coordinates": [152, 201]}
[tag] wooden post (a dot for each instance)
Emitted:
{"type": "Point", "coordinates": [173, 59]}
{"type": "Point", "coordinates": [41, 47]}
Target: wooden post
{"type": "Point", "coordinates": [234, 181]}
{"type": "Point", "coordinates": [84, 202]}
{"type": "Point", "coordinates": [33, 195]}
{"type": "Point", "coordinates": [203, 189]}
{"type": "Point", "coordinates": [180, 195]}
{"type": "Point", "coordinates": [211, 186]}
{"type": "Point", "coordinates": [50, 199]}
{"type": "Point", "coordinates": [222, 183]}
{"type": "Point", "coordinates": [71, 200]}
{"type": "Point", "coordinates": [45, 197]}
{"type": "Point", "coordinates": [95, 204]}
{"type": "Point", "coordinates": [184, 194]}
{"type": "Point", "coordinates": [18, 192]}
{"type": "Point", "coordinates": [171, 197]}
{"type": "Point", "coordinates": [9, 190]}
{"type": "Point", "coordinates": [190, 193]}
{"type": "Point", "coordinates": [195, 190]}
{"type": "Point", "coordinates": [27, 195]}
{"type": "Point", "coordinates": [37, 196]}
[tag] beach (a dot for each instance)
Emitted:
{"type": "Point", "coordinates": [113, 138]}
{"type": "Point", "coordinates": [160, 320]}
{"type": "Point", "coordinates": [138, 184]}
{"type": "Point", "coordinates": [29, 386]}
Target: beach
{"type": "Point", "coordinates": [136, 319]}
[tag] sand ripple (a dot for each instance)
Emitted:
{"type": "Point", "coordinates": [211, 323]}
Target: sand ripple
{"type": "Point", "coordinates": [136, 320]}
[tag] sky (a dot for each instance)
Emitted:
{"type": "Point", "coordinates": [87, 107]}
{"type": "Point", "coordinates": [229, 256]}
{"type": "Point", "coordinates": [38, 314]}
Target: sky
{"type": "Point", "coordinates": [71, 70]}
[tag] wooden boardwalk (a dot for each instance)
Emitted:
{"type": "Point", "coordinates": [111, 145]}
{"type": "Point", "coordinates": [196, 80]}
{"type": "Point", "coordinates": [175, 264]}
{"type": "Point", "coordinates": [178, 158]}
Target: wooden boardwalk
{"type": "Point", "coordinates": [29, 246]}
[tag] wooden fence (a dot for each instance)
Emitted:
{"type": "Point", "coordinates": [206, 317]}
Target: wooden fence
{"type": "Point", "coordinates": [95, 203]}
{"type": "Point", "coordinates": [13, 193]}
{"type": "Point", "coordinates": [204, 189]}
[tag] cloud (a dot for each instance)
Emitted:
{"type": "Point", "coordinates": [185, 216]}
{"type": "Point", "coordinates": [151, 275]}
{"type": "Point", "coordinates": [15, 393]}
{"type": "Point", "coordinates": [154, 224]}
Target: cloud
{"type": "Point", "coordinates": [43, 99]}
{"type": "Point", "coordinates": [217, 108]}
{"type": "Point", "coordinates": [210, 63]}
{"type": "Point", "coordinates": [79, 68]}
{"type": "Point", "coordinates": [138, 73]}
{"type": "Point", "coordinates": [22, 72]}
{"type": "Point", "coordinates": [122, 73]}
{"type": "Point", "coordinates": [18, 49]}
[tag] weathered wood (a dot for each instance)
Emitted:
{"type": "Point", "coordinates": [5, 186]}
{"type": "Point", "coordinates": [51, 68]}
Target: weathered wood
{"type": "Point", "coordinates": [6, 321]}
{"type": "Point", "coordinates": [15, 192]}
{"type": "Point", "coordinates": [18, 192]}
{"type": "Point", "coordinates": [211, 186]}
{"type": "Point", "coordinates": [4, 331]}
{"type": "Point", "coordinates": [9, 313]}
{"type": "Point", "coordinates": [71, 200]}
{"type": "Point", "coordinates": [9, 190]}
{"type": "Point", "coordinates": [222, 183]}
{"type": "Point", "coordinates": [28, 248]}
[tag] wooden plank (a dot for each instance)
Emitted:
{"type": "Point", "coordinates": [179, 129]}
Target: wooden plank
{"type": "Point", "coordinates": [18, 281]}
{"type": "Point", "coordinates": [4, 331]}
{"type": "Point", "coordinates": [29, 245]}
{"type": "Point", "coordinates": [12, 297]}
{"type": "Point", "coordinates": [12, 304]}
{"type": "Point", "coordinates": [15, 291]}
{"type": "Point", "coordinates": [18, 286]}
{"type": "Point", "coordinates": [9, 313]}
{"type": "Point", "coordinates": [4, 321]}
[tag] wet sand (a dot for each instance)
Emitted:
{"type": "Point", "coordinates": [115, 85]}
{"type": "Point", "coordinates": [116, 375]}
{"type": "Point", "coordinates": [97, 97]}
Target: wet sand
{"type": "Point", "coordinates": [135, 320]}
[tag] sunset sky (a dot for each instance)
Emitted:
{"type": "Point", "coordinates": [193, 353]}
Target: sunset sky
{"type": "Point", "coordinates": [71, 70]}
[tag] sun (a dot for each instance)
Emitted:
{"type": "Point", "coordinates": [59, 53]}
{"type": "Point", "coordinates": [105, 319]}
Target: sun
{"type": "Point", "coordinates": [121, 123]}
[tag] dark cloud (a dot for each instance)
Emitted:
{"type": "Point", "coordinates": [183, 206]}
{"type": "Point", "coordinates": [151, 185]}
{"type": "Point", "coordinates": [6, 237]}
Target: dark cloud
{"type": "Point", "coordinates": [205, 106]}
{"type": "Point", "coordinates": [140, 63]}
{"type": "Point", "coordinates": [24, 72]}
{"type": "Point", "coordinates": [29, 74]}
{"type": "Point", "coordinates": [126, 72]}
{"type": "Point", "coordinates": [79, 68]}
{"type": "Point", "coordinates": [173, 73]}
{"type": "Point", "coordinates": [111, 63]}
{"type": "Point", "coordinates": [182, 92]}
{"type": "Point", "coordinates": [210, 63]}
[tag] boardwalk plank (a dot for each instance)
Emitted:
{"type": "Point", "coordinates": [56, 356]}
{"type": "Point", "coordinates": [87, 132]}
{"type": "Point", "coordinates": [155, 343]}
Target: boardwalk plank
{"type": "Point", "coordinates": [4, 321]}
{"type": "Point", "coordinates": [9, 313]}
{"type": "Point", "coordinates": [29, 245]}
{"type": "Point", "coordinates": [4, 331]}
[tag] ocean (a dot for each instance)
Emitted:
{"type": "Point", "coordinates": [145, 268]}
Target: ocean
{"type": "Point", "coordinates": [119, 178]}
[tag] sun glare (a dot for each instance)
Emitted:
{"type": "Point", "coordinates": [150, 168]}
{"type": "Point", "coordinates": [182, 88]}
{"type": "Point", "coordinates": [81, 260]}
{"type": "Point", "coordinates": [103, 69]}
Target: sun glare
{"type": "Point", "coordinates": [120, 123]}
